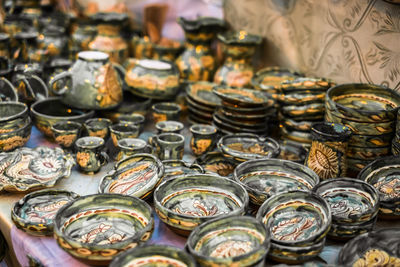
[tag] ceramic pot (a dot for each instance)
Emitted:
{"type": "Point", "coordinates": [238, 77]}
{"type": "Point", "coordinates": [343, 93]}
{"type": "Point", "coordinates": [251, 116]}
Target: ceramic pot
{"type": "Point", "coordinates": [327, 155]}
{"type": "Point", "coordinates": [141, 47]}
{"type": "Point", "coordinates": [167, 52]}
{"type": "Point", "coordinates": [53, 42]}
{"type": "Point", "coordinates": [91, 83]}
{"type": "Point", "coordinates": [197, 62]}
{"type": "Point", "coordinates": [123, 130]}
{"type": "Point", "coordinates": [238, 47]}
{"type": "Point", "coordinates": [204, 138]}
{"type": "Point", "coordinates": [98, 127]}
{"type": "Point", "coordinates": [81, 37]}
{"type": "Point", "coordinates": [168, 146]}
{"type": "Point", "coordinates": [89, 156]}
{"type": "Point", "coordinates": [65, 133]}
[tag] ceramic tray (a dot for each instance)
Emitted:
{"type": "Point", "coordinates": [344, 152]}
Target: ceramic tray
{"type": "Point", "coordinates": [202, 92]}
{"type": "Point", "coordinates": [242, 96]}
{"type": "Point", "coordinates": [28, 169]}
{"type": "Point", "coordinates": [35, 212]}
{"type": "Point", "coordinates": [216, 162]}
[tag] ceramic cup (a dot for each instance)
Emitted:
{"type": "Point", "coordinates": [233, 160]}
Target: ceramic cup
{"type": "Point", "coordinates": [168, 146]}
{"type": "Point", "coordinates": [89, 156]}
{"type": "Point", "coordinates": [65, 133]}
{"type": "Point", "coordinates": [131, 146]}
{"type": "Point", "coordinates": [98, 127]}
{"type": "Point", "coordinates": [203, 138]}
{"type": "Point", "coordinates": [135, 118]}
{"type": "Point", "coordinates": [169, 127]}
{"type": "Point", "coordinates": [123, 130]}
{"type": "Point", "coordinates": [166, 111]}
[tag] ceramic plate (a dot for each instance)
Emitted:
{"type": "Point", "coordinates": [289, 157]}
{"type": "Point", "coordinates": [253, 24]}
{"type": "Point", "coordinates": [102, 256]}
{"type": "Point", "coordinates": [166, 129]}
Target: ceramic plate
{"type": "Point", "coordinates": [237, 115]}
{"type": "Point", "coordinates": [30, 169]}
{"type": "Point", "coordinates": [136, 176]}
{"type": "Point", "coordinates": [243, 96]}
{"type": "Point", "coordinates": [272, 77]}
{"type": "Point", "coordinates": [241, 122]}
{"type": "Point", "coordinates": [254, 110]}
{"type": "Point", "coordinates": [221, 125]}
{"type": "Point", "coordinates": [35, 212]}
{"type": "Point", "coordinates": [216, 162]}
{"type": "Point", "coordinates": [175, 168]}
{"type": "Point", "coordinates": [203, 108]}
{"type": "Point", "coordinates": [202, 92]}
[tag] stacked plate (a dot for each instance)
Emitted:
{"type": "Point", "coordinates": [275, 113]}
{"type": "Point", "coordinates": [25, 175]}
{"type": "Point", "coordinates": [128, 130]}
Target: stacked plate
{"type": "Point", "coordinates": [201, 102]}
{"type": "Point", "coordinates": [242, 110]}
{"type": "Point", "coordinates": [302, 104]}
{"type": "Point", "coordinates": [370, 111]}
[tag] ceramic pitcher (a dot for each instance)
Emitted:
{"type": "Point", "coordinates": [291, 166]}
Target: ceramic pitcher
{"type": "Point", "coordinates": [91, 83]}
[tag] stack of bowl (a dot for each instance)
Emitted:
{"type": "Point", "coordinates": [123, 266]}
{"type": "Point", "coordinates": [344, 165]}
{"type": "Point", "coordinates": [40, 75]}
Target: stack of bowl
{"type": "Point", "coordinates": [301, 104]}
{"type": "Point", "coordinates": [201, 102]}
{"type": "Point", "coordinates": [370, 112]}
{"type": "Point", "coordinates": [243, 110]}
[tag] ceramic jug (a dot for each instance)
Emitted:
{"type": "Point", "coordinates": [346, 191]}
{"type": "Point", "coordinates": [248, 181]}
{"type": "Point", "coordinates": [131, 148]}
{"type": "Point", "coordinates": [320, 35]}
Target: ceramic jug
{"type": "Point", "coordinates": [197, 62]}
{"type": "Point", "coordinates": [91, 83]}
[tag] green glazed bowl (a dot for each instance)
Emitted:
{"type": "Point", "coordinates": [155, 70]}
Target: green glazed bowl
{"type": "Point", "coordinates": [154, 256]}
{"type": "Point", "coordinates": [98, 127]}
{"type": "Point", "coordinates": [137, 119]}
{"type": "Point", "coordinates": [184, 203]}
{"type": "Point", "coordinates": [11, 140]}
{"type": "Point", "coordinates": [96, 228]}
{"type": "Point", "coordinates": [230, 241]}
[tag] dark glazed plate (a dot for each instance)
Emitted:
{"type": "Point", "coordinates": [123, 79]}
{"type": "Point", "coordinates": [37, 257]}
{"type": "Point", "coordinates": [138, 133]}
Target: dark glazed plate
{"type": "Point", "coordinates": [185, 202]}
{"type": "Point", "coordinates": [230, 128]}
{"type": "Point", "coordinates": [95, 228]}
{"type": "Point", "coordinates": [176, 168]}
{"type": "Point", "coordinates": [242, 96]}
{"type": "Point", "coordinates": [202, 92]}
{"type": "Point", "coordinates": [136, 176]}
{"type": "Point", "coordinates": [270, 78]}
{"type": "Point", "coordinates": [216, 162]}
{"type": "Point", "coordinates": [35, 212]}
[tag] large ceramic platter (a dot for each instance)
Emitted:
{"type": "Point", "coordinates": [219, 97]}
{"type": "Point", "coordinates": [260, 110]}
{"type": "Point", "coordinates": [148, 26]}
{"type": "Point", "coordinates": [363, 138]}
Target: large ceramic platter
{"type": "Point", "coordinates": [27, 169]}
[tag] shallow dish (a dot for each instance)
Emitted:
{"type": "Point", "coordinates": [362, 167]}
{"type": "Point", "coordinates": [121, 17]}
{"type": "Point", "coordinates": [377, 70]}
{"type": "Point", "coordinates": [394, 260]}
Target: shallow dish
{"type": "Point", "coordinates": [27, 169]}
{"type": "Point", "coordinates": [34, 213]}
{"type": "Point", "coordinates": [254, 110]}
{"type": "Point", "coordinates": [267, 177]}
{"type": "Point", "coordinates": [229, 241]}
{"type": "Point", "coordinates": [194, 105]}
{"type": "Point", "coordinates": [199, 112]}
{"type": "Point", "coordinates": [202, 92]}
{"type": "Point", "coordinates": [297, 125]}
{"type": "Point", "coordinates": [96, 228]}
{"type": "Point", "coordinates": [237, 115]}
{"type": "Point", "coordinates": [371, 140]}
{"type": "Point", "coordinates": [176, 168]}
{"type": "Point", "coordinates": [153, 255]}
{"type": "Point", "coordinates": [185, 202]}
{"type": "Point", "coordinates": [216, 162]}
{"type": "Point", "coordinates": [297, 136]}
{"type": "Point", "coordinates": [241, 122]}
{"type": "Point", "coordinates": [242, 96]}
{"type": "Point", "coordinates": [136, 176]}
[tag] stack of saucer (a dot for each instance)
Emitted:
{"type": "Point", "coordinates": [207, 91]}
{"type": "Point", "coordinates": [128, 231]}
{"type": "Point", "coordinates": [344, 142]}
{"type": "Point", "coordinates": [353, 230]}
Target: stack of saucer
{"type": "Point", "coordinates": [201, 102]}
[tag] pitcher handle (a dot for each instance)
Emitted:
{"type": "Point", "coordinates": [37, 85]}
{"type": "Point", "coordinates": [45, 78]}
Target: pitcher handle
{"type": "Point", "coordinates": [60, 76]}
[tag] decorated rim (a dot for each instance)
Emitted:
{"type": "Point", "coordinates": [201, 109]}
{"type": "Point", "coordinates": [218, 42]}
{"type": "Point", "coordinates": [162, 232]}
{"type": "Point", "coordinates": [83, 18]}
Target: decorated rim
{"type": "Point", "coordinates": [202, 92]}
{"type": "Point", "coordinates": [239, 38]}
{"type": "Point", "coordinates": [169, 126]}
{"type": "Point", "coordinates": [97, 123]}
{"type": "Point", "coordinates": [230, 129]}
{"type": "Point", "coordinates": [10, 110]}
{"type": "Point", "coordinates": [89, 142]}
{"type": "Point", "coordinates": [170, 138]}
{"type": "Point", "coordinates": [216, 162]}
{"type": "Point", "coordinates": [243, 95]}
{"type": "Point", "coordinates": [166, 107]}
{"type": "Point", "coordinates": [213, 228]}
{"type": "Point", "coordinates": [306, 83]}
{"type": "Point", "coordinates": [203, 129]}
{"type": "Point", "coordinates": [131, 143]}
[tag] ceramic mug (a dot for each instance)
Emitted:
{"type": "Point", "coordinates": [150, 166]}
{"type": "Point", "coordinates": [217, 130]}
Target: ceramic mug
{"type": "Point", "coordinates": [135, 118]}
{"type": "Point", "coordinates": [65, 133]}
{"type": "Point", "coordinates": [166, 111]}
{"type": "Point", "coordinates": [131, 146]}
{"type": "Point", "coordinates": [203, 138]}
{"type": "Point", "coordinates": [168, 146]}
{"type": "Point", "coordinates": [89, 156]}
{"type": "Point", "coordinates": [123, 130]}
{"type": "Point", "coordinates": [98, 127]}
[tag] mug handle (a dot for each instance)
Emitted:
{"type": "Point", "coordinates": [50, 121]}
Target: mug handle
{"type": "Point", "coordinates": [44, 87]}
{"type": "Point", "coordinates": [104, 158]}
{"type": "Point", "coordinates": [60, 76]}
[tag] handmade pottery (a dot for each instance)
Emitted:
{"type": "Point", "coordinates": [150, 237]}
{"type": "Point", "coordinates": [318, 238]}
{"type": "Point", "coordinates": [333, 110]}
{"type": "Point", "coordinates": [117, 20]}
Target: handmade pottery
{"type": "Point", "coordinates": [5, 47]}
{"type": "Point", "coordinates": [136, 119]}
{"type": "Point", "coordinates": [267, 177]}
{"type": "Point", "coordinates": [123, 130]}
{"type": "Point", "coordinates": [327, 155]}
{"type": "Point", "coordinates": [51, 110]}
{"type": "Point", "coordinates": [230, 129]}
{"type": "Point", "coordinates": [167, 52]}
{"type": "Point", "coordinates": [313, 111]}
{"type": "Point", "coordinates": [244, 97]}
{"type": "Point", "coordinates": [13, 138]}
{"type": "Point", "coordinates": [8, 93]}
{"type": "Point", "coordinates": [194, 106]}
{"type": "Point", "coordinates": [136, 176]}
{"type": "Point", "coordinates": [184, 203]}
{"type": "Point", "coordinates": [108, 38]}
{"type": "Point", "coordinates": [216, 162]}
{"type": "Point", "coordinates": [197, 62]}
{"type": "Point", "coordinates": [166, 111]}
{"type": "Point", "coordinates": [169, 127]}
{"type": "Point", "coordinates": [91, 83]}
{"type": "Point", "coordinates": [202, 93]}
{"type": "Point", "coordinates": [168, 146]}
{"type": "Point", "coordinates": [6, 68]}
{"type": "Point", "coordinates": [65, 133]}
{"type": "Point", "coordinates": [141, 47]}
{"type": "Point", "coordinates": [54, 67]}
{"type": "Point", "coordinates": [81, 37]}
{"type": "Point", "coordinates": [153, 255]}
{"type": "Point", "coordinates": [152, 79]}
{"type": "Point", "coordinates": [27, 169]}
{"type": "Point", "coordinates": [131, 146]}
{"type": "Point", "coordinates": [176, 168]}
{"type": "Point", "coordinates": [13, 115]}
{"type": "Point", "coordinates": [367, 153]}
{"type": "Point", "coordinates": [96, 228]}
{"type": "Point", "coordinates": [203, 138]}
{"type": "Point", "coordinates": [269, 79]}
{"type": "Point", "coordinates": [89, 156]}
{"type": "Point", "coordinates": [230, 241]}
{"type": "Point", "coordinates": [383, 174]}
{"type": "Point", "coordinates": [53, 42]}
{"type": "Point", "coordinates": [293, 152]}
{"type": "Point", "coordinates": [26, 49]}
{"type": "Point", "coordinates": [98, 127]}
{"type": "Point", "coordinates": [35, 212]}
{"type": "Point", "coordinates": [300, 137]}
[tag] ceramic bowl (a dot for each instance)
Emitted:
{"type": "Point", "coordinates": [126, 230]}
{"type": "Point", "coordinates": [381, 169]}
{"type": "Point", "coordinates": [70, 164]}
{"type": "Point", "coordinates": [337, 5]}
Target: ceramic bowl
{"type": "Point", "coordinates": [297, 136]}
{"type": "Point", "coordinates": [13, 115]}
{"type": "Point", "coordinates": [306, 85]}
{"type": "Point", "coordinates": [176, 168]}
{"type": "Point", "coordinates": [137, 119]}
{"type": "Point", "coordinates": [251, 124]}
{"type": "Point", "coordinates": [265, 178]}
{"type": "Point", "coordinates": [166, 111]}
{"type": "Point", "coordinates": [167, 49]}
{"type": "Point", "coordinates": [35, 212]}
{"type": "Point", "coordinates": [184, 203]}
{"type": "Point", "coordinates": [169, 127]}
{"type": "Point", "coordinates": [243, 97]}
{"type": "Point", "coordinates": [383, 174]}
{"type": "Point", "coordinates": [343, 232]}
{"type": "Point", "coordinates": [131, 146]}
{"type": "Point", "coordinates": [292, 151]}
{"type": "Point", "coordinates": [238, 115]}
{"type": "Point", "coordinates": [65, 133]}
{"type": "Point", "coordinates": [96, 228]}
{"type": "Point", "coordinates": [230, 241]}
{"type": "Point", "coordinates": [216, 162]}
{"type": "Point", "coordinates": [314, 111]}
{"type": "Point", "coordinates": [51, 110]}
{"type": "Point", "coordinates": [202, 92]}
{"type": "Point", "coordinates": [371, 140]}
{"type": "Point", "coordinates": [98, 127]}
{"type": "Point", "coordinates": [248, 110]}
{"type": "Point", "coordinates": [244, 147]}
{"type": "Point", "coordinates": [123, 130]}
{"type": "Point", "coordinates": [197, 110]}
{"type": "Point", "coordinates": [136, 176]}
{"type": "Point", "coordinates": [154, 255]}
{"type": "Point", "coordinates": [367, 153]}
{"type": "Point", "coordinates": [10, 140]}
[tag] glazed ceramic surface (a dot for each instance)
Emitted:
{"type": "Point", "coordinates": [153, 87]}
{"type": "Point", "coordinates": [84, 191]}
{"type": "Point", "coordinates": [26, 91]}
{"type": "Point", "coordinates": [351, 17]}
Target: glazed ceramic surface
{"type": "Point", "coordinates": [96, 228]}
{"type": "Point", "coordinates": [216, 162]}
{"type": "Point", "coordinates": [185, 202]}
{"type": "Point", "coordinates": [166, 111]}
{"type": "Point", "coordinates": [203, 138]}
{"type": "Point", "coordinates": [98, 127]}
{"type": "Point", "coordinates": [175, 168]}
{"type": "Point", "coordinates": [35, 212]}
{"type": "Point", "coordinates": [168, 146]}
{"type": "Point", "coordinates": [230, 241]}
{"type": "Point", "coordinates": [268, 177]}
{"type": "Point", "coordinates": [8, 92]}
{"type": "Point", "coordinates": [243, 96]}
{"type": "Point", "coordinates": [28, 169]}
{"type": "Point", "coordinates": [65, 133]}
{"type": "Point", "coordinates": [202, 92]}
{"type": "Point", "coordinates": [269, 79]}
{"type": "Point", "coordinates": [131, 146]}
{"type": "Point", "coordinates": [293, 152]}
{"type": "Point", "coordinates": [136, 176]}
{"type": "Point", "coordinates": [169, 127]}
{"type": "Point", "coordinates": [11, 139]}
{"type": "Point", "coordinates": [53, 42]}
{"type": "Point", "coordinates": [135, 118]}
{"type": "Point", "coordinates": [123, 130]}
{"type": "Point", "coordinates": [13, 115]}
{"type": "Point", "coordinates": [89, 154]}
{"type": "Point", "coordinates": [169, 50]}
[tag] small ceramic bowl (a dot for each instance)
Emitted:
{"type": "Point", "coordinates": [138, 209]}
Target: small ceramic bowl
{"type": "Point", "coordinates": [154, 255]}
{"type": "Point", "coordinates": [135, 118]}
{"type": "Point", "coordinates": [166, 111]}
{"type": "Point", "coordinates": [267, 177]}
{"type": "Point", "coordinates": [65, 133]}
{"type": "Point", "coordinates": [131, 146]}
{"type": "Point", "coordinates": [176, 168]}
{"type": "Point", "coordinates": [343, 232]}
{"type": "Point", "coordinates": [96, 228]}
{"type": "Point", "coordinates": [230, 241]}
{"type": "Point", "coordinates": [98, 127]}
{"type": "Point", "coordinates": [12, 115]}
{"type": "Point", "coordinates": [216, 162]}
{"type": "Point", "coordinates": [8, 93]}
{"type": "Point", "coordinates": [34, 213]}
{"type": "Point", "coordinates": [184, 203]}
{"type": "Point", "coordinates": [123, 130]}
{"type": "Point", "coordinates": [169, 127]}
{"type": "Point", "coordinates": [136, 176]}
{"type": "Point", "coordinates": [11, 140]}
